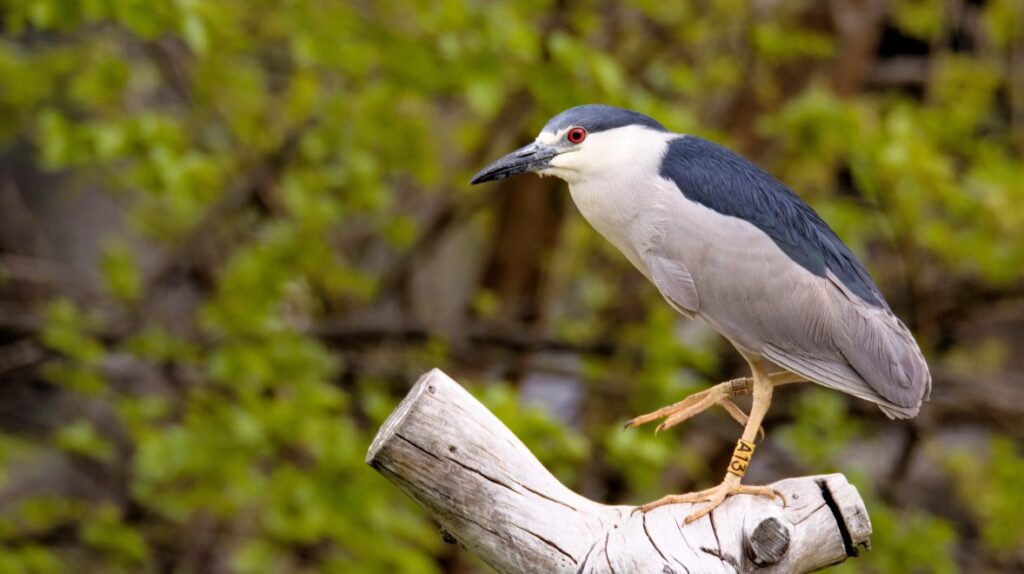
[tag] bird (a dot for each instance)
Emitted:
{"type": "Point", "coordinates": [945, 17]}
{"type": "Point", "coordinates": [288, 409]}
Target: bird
{"type": "Point", "coordinates": [727, 243]}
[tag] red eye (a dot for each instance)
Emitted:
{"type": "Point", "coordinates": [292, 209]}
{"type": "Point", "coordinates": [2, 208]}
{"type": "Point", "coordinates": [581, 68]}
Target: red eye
{"type": "Point", "coordinates": [577, 135]}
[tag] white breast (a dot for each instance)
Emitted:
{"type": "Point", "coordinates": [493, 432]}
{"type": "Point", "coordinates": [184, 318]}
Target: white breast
{"type": "Point", "coordinates": [619, 191]}
{"type": "Point", "coordinates": [629, 213]}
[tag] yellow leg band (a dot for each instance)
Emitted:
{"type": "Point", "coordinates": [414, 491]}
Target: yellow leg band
{"type": "Point", "coordinates": [741, 456]}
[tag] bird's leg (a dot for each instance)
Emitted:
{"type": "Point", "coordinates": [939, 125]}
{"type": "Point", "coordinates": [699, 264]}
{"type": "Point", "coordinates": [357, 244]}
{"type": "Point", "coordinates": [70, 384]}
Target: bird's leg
{"type": "Point", "coordinates": [762, 391]}
{"type": "Point", "coordinates": [720, 394]}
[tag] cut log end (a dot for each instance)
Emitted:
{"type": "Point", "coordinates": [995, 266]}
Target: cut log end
{"type": "Point", "coordinates": [768, 542]}
{"type": "Point", "coordinates": [397, 417]}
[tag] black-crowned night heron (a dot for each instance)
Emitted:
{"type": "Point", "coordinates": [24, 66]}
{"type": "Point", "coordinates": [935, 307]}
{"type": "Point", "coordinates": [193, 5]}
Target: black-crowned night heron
{"type": "Point", "coordinates": [724, 241]}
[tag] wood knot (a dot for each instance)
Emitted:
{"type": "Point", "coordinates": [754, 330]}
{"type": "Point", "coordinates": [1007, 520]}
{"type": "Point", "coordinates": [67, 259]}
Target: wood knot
{"type": "Point", "coordinates": [768, 543]}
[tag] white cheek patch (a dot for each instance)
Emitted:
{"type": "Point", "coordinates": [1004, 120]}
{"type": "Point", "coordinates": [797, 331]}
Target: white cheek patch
{"type": "Point", "coordinates": [613, 153]}
{"type": "Point", "coordinates": [550, 138]}
{"type": "Point", "coordinates": [618, 151]}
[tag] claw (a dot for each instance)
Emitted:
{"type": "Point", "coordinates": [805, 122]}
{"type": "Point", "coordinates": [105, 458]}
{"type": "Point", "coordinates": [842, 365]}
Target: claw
{"type": "Point", "coordinates": [781, 497]}
{"type": "Point", "coordinates": [720, 394]}
{"type": "Point", "coordinates": [702, 512]}
{"type": "Point", "coordinates": [689, 407]}
{"type": "Point", "coordinates": [714, 497]}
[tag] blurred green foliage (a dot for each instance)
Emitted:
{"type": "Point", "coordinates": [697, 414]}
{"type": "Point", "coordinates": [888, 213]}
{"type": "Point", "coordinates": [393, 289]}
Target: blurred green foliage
{"type": "Point", "coordinates": [169, 106]}
{"type": "Point", "coordinates": [991, 491]}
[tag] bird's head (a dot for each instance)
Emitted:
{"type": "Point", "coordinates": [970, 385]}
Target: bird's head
{"type": "Point", "coordinates": [582, 142]}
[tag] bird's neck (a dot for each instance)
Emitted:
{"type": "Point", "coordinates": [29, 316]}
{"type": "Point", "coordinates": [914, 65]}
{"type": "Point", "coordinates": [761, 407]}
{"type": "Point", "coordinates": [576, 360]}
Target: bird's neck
{"type": "Point", "coordinates": [628, 211]}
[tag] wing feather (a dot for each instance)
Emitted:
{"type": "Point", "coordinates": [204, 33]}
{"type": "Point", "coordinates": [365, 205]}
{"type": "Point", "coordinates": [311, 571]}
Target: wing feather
{"type": "Point", "coordinates": [675, 283]}
{"type": "Point", "coordinates": [856, 348]}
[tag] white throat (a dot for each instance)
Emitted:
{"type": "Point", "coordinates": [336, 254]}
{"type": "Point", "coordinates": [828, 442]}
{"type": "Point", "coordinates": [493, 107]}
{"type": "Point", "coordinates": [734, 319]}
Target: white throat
{"type": "Point", "coordinates": [614, 179]}
{"type": "Point", "coordinates": [612, 153]}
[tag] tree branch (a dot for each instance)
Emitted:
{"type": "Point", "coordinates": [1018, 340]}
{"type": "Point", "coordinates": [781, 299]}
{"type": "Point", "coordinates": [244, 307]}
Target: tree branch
{"type": "Point", "coordinates": [450, 454]}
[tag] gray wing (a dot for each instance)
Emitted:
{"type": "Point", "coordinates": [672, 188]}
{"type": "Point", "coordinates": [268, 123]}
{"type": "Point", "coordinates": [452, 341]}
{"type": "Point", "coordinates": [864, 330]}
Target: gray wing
{"type": "Point", "coordinates": [853, 347]}
{"type": "Point", "coordinates": [675, 283]}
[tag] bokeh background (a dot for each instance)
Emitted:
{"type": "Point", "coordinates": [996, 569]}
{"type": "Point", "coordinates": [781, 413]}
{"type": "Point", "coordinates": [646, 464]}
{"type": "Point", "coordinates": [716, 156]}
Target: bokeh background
{"type": "Point", "coordinates": [233, 233]}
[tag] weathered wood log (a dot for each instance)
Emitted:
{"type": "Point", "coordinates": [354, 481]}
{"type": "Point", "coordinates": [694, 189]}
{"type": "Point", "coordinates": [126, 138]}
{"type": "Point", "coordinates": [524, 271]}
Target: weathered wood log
{"type": "Point", "coordinates": [450, 454]}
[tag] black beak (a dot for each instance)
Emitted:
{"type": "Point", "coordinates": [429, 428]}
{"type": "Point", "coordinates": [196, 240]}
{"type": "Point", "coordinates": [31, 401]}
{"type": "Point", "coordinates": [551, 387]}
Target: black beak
{"type": "Point", "coordinates": [533, 157]}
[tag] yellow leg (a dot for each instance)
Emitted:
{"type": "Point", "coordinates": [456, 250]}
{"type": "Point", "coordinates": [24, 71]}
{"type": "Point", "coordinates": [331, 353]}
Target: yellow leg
{"type": "Point", "coordinates": [762, 384]}
{"type": "Point", "coordinates": [720, 394]}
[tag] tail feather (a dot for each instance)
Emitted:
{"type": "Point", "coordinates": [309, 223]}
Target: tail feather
{"type": "Point", "coordinates": [870, 354]}
{"type": "Point", "coordinates": [838, 375]}
{"type": "Point", "coordinates": [882, 351]}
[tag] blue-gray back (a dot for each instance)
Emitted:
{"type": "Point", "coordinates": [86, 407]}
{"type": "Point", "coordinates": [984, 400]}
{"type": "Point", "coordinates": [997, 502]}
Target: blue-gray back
{"type": "Point", "coordinates": [719, 179]}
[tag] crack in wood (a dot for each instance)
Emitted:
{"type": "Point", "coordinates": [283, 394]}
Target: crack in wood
{"type": "Point", "coordinates": [725, 558]}
{"type": "Point", "coordinates": [548, 542]}
{"type": "Point", "coordinates": [608, 557]}
{"type": "Point", "coordinates": [419, 448]}
{"type": "Point", "coordinates": [837, 514]}
{"type": "Point", "coordinates": [720, 554]}
{"type": "Point", "coordinates": [658, 550]}
{"type": "Point", "coordinates": [481, 474]}
{"type": "Point", "coordinates": [714, 530]}
{"type": "Point", "coordinates": [810, 514]}
{"type": "Point", "coordinates": [555, 500]}
{"type": "Point", "coordinates": [498, 535]}
{"type": "Point", "coordinates": [586, 559]}
{"type": "Point", "coordinates": [643, 521]}
{"type": "Point", "coordinates": [682, 535]}
{"type": "Point", "coordinates": [462, 465]}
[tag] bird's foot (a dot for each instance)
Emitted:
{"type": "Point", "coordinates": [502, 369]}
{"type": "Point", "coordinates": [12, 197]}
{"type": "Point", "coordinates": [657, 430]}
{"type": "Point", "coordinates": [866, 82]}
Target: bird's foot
{"type": "Point", "coordinates": [713, 497]}
{"type": "Point", "coordinates": [720, 394]}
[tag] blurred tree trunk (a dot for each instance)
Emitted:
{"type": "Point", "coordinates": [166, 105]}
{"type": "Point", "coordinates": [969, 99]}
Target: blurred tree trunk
{"type": "Point", "coordinates": [529, 214]}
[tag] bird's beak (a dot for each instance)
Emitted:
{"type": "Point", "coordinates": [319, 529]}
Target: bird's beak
{"type": "Point", "coordinates": [531, 158]}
